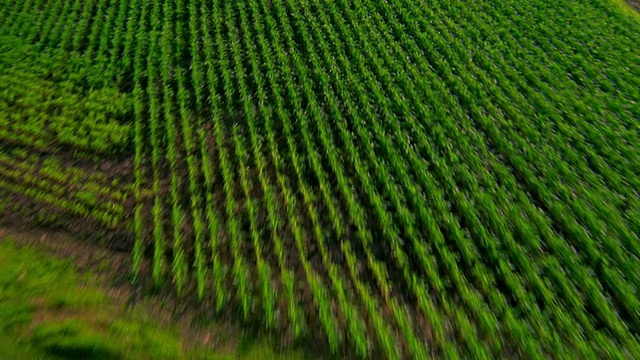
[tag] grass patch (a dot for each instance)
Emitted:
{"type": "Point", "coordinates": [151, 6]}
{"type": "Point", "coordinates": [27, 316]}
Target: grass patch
{"type": "Point", "coordinates": [50, 311]}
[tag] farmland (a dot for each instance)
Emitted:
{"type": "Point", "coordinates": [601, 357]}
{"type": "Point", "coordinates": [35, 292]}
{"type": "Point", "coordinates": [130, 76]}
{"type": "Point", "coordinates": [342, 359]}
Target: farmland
{"type": "Point", "coordinates": [390, 179]}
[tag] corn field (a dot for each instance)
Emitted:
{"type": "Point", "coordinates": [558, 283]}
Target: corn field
{"type": "Point", "coordinates": [395, 179]}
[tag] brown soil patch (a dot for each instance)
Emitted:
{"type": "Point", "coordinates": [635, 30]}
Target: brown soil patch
{"type": "Point", "coordinates": [635, 4]}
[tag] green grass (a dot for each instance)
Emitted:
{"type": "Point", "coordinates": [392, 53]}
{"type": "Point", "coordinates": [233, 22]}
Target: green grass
{"type": "Point", "coordinates": [50, 311]}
